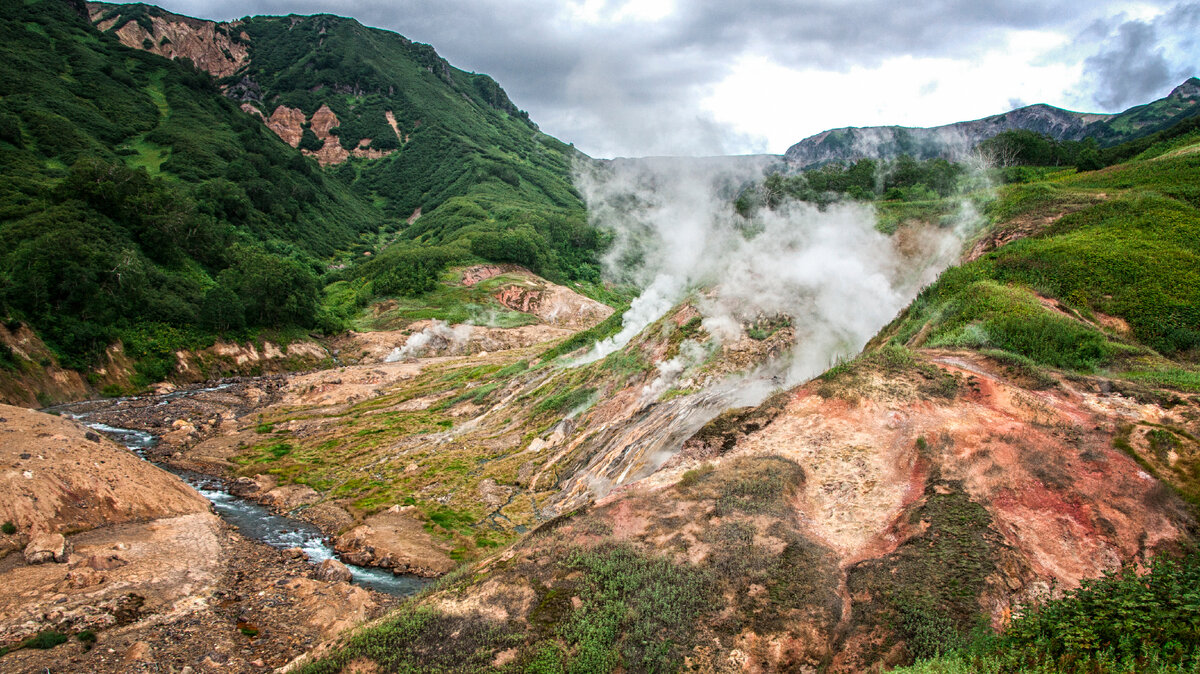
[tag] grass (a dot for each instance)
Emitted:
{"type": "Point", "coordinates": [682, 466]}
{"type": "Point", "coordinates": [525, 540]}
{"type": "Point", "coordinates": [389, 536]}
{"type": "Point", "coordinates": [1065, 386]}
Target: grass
{"type": "Point", "coordinates": [44, 640]}
{"type": "Point", "coordinates": [884, 372]}
{"type": "Point", "coordinates": [1133, 254]}
{"type": "Point", "coordinates": [565, 401]}
{"type": "Point", "coordinates": [1178, 378]}
{"type": "Point", "coordinates": [928, 589]}
{"type": "Point", "coordinates": [749, 485]}
{"type": "Point", "coordinates": [586, 338]}
{"type": "Point", "coordinates": [637, 613]}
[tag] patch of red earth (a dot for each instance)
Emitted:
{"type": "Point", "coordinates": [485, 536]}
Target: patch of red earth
{"type": "Point", "coordinates": [483, 272]}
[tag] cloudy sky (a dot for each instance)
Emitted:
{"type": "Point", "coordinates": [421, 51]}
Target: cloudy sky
{"type": "Point", "coordinates": [700, 77]}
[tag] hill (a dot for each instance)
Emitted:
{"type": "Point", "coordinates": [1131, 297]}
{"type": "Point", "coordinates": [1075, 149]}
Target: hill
{"type": "Point", "coordinates": [134, 196]}
{"type": "Point", "coordinates": [1028, 422]}
{"type": "Point", "coordinates": [955, 140]}
{"type": "Point", "coordinates": [402, 126]}
{"type": "Point", "coordinates": [153, 204]}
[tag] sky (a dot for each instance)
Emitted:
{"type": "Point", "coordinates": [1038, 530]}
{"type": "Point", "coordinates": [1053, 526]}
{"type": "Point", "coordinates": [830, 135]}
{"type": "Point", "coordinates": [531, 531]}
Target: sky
{"type": "Point", "coordinates": [710, 77]}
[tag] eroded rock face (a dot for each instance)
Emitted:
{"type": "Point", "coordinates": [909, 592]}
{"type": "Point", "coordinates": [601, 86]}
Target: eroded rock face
{"type": "Point", "coordinates": [288, 124]}
{"type": "Point", "coordinates": [207, 44]}
{"type": "Point", "coordinates": [555, 305]}
{"type": "Point", "coordinates": [58, 476]}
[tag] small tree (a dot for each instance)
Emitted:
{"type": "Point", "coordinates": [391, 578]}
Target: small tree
{"type": "Point", "coordinates": [222, 310]}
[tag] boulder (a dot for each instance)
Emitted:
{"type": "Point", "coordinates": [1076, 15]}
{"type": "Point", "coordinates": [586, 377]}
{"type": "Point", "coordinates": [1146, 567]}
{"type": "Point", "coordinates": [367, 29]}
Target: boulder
{"type": "Point", "coordinates": [333, 571]}
{"type": "Point", "coordinates": [295, 553]}
{"type": "Point", "coordinates": [47, 548]}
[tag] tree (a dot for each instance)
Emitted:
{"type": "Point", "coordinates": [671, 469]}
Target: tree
{"type": "Point", "coordinates": [222, 310]}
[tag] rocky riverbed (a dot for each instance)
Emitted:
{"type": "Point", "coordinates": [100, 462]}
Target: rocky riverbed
{"type": "Point", "coordinates": [144, 566]}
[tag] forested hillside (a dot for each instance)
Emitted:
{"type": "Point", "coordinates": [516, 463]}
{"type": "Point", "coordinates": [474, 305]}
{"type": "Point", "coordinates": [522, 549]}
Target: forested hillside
{"type": "Point", "coordinates": [147, 202]}
{"type": "Point", "coordinates": [137, 200]}
{"type": "Point", "coordinates": [442, 151]}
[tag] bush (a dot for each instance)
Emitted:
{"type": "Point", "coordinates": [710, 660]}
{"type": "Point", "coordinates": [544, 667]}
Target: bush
{"type": "Point", "coordinates": [1125, 620]}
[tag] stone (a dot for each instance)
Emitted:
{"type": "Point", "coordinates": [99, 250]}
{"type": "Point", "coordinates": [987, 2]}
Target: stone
{"type": "Point", "coordinates": [79, 579]}
{"type": "Point", "coordinates": [295, 553]}
{"type": "Point", "coordinates": [106, 562]}
{"type": "Point", "coordinates": [333, 571]}
{"type": "Point", "coordinates": [138, 652]}
{"type": "Point", "coordinates": [47, 548]}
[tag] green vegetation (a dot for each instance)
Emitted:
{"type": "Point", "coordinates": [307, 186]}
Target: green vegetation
{"type": "Point", "coordinates": [1030, 148]}
{"type": "Point", "coordinates": [928, 590]}
{"type": "Point", "coordinates": [565, 401]}
{"type": "Point", "coordinates": [903, 179]}
{"type": "Point", "coordinates": [44, 640]}
{"type": "Point", "coordinates": [1133, 253]}
{"type": "Point", "coordinates": [138, 200]}
{"type": "Point", "coordinates": [1125, 621]}
{"type": "Point", "coordinates": [8, 528]}
{"type": "Point", "coordinates": [223, 229]}
{"type": "Point", "coordinates": [893, 364]}
{"type": "Point", "coordinates": [586, 338]}
{"type": "Point", "coordinates": [637, 612]}
{"type": "Point", "coordinates": [486, 181]}
{"type": "Point", "coordinates": [747, 485]}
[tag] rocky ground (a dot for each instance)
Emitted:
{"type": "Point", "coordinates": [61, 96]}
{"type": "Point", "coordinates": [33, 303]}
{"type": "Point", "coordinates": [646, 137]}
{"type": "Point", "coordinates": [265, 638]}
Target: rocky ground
{"type": "Point", "coordinates": [104, 543]}
{"type": "Point", "coordinates": [839, 524]}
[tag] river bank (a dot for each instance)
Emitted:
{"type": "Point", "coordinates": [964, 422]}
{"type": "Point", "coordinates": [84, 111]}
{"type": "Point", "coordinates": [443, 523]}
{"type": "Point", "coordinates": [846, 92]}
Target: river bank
{"type": "Point", "coordinates": [149, 579]}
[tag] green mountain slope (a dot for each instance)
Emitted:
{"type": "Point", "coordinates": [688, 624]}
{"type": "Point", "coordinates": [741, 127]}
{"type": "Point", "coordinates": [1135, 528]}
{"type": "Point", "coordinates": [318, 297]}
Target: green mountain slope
{"type": "Point", "coordinates": [1105, 276]}
{"type": "Point", "coordinates": [444, 150]}
{"type": "Point", "coordinates": [133, 195]}
{"type": "Point", "coordinates": [156, 201]}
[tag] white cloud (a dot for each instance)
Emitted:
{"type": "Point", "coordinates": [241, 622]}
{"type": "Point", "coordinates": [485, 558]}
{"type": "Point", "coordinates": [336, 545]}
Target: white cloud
{"type": "Point", "coordinates": [639, 77]}
{"type": "Point", "coordinates": [785, 104]}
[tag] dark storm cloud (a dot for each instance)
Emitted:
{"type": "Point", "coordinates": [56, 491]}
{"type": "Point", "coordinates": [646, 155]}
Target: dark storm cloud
{"type": "Point", "coordinates": [1134, 65]}
{"type": "Point", "coordinates": [635, 88]}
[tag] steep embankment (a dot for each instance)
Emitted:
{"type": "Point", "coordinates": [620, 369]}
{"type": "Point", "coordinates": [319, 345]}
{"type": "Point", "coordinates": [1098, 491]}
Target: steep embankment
{"type": "Point", "coordinates": [854, 521]}
{"type": "Point", "coordinates": [127, 562]}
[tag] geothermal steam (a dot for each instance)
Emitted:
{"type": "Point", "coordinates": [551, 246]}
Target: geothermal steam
{"type": "Point", "coordinates": [837, 278]}
{"type": "Point", "coordinates": [438, 335]}
{"type": "Point", "coordinates": [676, 234]}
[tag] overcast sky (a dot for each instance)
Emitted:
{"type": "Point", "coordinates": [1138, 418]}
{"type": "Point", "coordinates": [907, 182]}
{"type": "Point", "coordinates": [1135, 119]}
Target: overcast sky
{"type": "Point", "coordinates": [649, 77]}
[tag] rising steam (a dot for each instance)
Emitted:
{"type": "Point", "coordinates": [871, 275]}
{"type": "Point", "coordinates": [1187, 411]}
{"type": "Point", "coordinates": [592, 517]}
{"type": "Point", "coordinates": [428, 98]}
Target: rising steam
{"type": "Point", "coordinates": [437, 336]}
{"type": "Point", "coordinates": [829, 271]}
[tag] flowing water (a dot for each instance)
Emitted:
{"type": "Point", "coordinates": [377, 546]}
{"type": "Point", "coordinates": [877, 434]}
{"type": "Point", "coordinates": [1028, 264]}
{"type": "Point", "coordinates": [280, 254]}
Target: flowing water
{"type": "Point", "coordinates": [257, 522]}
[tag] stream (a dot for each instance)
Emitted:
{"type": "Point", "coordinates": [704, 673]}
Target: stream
{"type": "Point", "coordinates": [256, 521]}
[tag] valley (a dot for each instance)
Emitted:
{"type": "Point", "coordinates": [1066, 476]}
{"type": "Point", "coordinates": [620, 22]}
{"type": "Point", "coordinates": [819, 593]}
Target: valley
{"type": "Point", "coordinates": [318, 355]}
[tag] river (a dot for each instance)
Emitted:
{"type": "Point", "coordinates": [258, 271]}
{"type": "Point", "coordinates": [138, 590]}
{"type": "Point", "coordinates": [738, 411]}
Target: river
{"type": "Point", "coordinates": [256, 521]}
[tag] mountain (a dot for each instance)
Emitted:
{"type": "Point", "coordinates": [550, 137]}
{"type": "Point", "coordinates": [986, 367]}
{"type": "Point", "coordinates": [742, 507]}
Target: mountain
{"type": "Point", "coordinates": [953, 140]}
{"type": "Point", "coordinates": [206, 179]}
{"type": "Point", "coordinates": [134, 195]}
{"type": "Point", "coordinates": [390, 117]}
